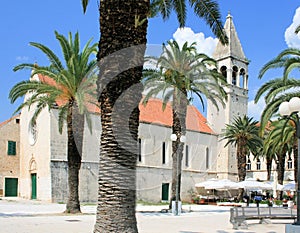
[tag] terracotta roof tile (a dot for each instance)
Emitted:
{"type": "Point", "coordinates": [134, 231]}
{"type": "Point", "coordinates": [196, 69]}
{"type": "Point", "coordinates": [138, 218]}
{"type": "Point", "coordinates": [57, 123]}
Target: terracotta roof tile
{"type": "Point", "coordinates": [9, 120]}
{"type": "Point", "coordinates": [153, 113]}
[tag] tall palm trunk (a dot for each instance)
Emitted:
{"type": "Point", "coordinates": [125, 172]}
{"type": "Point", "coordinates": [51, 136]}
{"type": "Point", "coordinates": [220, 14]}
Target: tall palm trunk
{"type": "Point", "coordinates": [295, 152]}
{"type": "Point", "coordinates": [280, 167]}
{"type": "Point", "coordinates": [269, 167]}
{"type": "Point", "coordinates": [179, 129]}
{"type": "Point", "coordinates": [123, 24]}
{"type": "Point", "coordinates": [241, 162]}
{"type": "Point", "coordinates": [75, 124]}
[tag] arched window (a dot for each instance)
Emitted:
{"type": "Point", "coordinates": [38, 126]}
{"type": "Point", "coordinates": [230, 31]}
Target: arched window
{"type": "Point", "coordinates": [290, 163]}
{"type": "Point", "coordinates": [234, 75]}
{"type": "Point", "coordinates": [248, 164]}
{"type": "Point", "coordinates": [207, 158]}
{"type": "Point", "coordinates": [163, 153]}
{"type": "Point", "coordinates": [224, 71]}
{"type": "Point", "coordinates": [186, 155]}
{"type": "Point", "coordinates": [140, 150]}
{"type": "Point", "coordinates": [258, 164]}
{"type": "Point", "coordinates": [242, 78]}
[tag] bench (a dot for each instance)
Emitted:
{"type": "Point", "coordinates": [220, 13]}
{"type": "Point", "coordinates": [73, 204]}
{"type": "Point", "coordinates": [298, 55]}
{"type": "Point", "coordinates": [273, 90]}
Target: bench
{"type": "Point", "coordinates": [240, 215]}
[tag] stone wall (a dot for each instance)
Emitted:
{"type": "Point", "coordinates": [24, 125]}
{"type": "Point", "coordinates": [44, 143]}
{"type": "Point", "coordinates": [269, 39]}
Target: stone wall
{"type": "Point", "coordinates": [87, 181]}
{"type": "Point", "coordinates": [9, 164]}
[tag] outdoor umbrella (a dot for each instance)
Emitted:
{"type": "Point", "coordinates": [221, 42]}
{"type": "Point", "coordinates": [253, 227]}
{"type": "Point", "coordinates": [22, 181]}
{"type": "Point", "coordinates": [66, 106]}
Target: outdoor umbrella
{"type": "Point", "coordinates": [222, 184]}
{"type": "Point", "coordinates": [205, 183]}
{"type": "Point", "coordinates": [291, 186]}
{"type": "Point", "coordinates": [252, 184]}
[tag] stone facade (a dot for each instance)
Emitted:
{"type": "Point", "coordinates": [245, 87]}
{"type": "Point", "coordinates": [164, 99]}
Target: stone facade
{"type": "Point", "coordinates": [43, 150]}
{"type": "Point", "coordinates": [233, 65]}
{"type": "Point", "coordinates": [10, 156]}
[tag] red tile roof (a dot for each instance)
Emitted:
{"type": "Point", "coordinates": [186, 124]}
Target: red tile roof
{"type": "Point", "coordinates": [9, 120]}
{"type": "Point", "coordinates": [153, 113]}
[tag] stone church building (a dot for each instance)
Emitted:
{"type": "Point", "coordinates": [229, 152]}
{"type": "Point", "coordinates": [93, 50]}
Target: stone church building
{"type": "Point", "coordinates": [42, 168]}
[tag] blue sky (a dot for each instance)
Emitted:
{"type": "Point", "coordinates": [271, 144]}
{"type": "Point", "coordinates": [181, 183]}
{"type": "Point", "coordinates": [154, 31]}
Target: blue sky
{"type": "Point", "coordinates": [261, 27]}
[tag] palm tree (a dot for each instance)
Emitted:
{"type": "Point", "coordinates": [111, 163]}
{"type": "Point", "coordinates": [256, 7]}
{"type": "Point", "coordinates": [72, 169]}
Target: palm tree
{"type": "Point", "coordinates": [123, 26]}
{"type": "Point", "coordinates": [181, 73]}
{"type": "Point", "coordinates": [274, 93]}
{"type": "Point", "coordinates": [277, 144]}
{"type": "Point", "coordinates": [279, 90]}
{"type": "Point", "coordinates": [243, 134]}
{"type": "Point", "coordinates": [288, 59]}
{"type": "Point", "coordinates": [66, 88]}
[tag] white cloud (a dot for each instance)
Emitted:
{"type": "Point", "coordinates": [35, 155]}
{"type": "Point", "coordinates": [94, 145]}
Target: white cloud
{"type": "Point", "coordinates": [255, 109]}
{"type": "Point", "coordinates": [204, 45]}
{"type": "Point", "coordinates": [291, 38]}
{"type": "Point", "coordinates": [22, 58]}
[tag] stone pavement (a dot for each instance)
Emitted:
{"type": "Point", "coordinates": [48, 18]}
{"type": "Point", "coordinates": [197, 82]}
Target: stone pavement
{"type": "Point", "coordinates": [25, 216]}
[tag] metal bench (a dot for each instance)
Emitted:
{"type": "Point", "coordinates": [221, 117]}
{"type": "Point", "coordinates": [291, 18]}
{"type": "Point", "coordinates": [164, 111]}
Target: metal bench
{"type": "Point", "coordinates": [240, 215]}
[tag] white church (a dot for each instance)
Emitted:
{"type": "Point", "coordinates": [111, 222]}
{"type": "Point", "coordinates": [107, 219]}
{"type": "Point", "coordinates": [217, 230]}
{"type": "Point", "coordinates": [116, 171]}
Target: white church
{"type": "Point", "coordinates": [43, 150]}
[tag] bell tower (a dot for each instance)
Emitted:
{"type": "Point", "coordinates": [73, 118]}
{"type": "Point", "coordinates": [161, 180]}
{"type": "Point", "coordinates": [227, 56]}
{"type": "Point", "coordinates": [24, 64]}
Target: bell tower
{"type": "Point", "coordinates": [233, 65]}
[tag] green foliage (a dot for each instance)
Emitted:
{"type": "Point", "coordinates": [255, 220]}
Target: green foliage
{"type": "Point", "coordinates": [208, 10]}
{"type": "Point", "coordinates": [84, 4]}
{"type": "Point", "coordinates": [183, 71]}
{"type": "Point", "coordinates": [59, 84]}
{"type": "Point", "coordinates": [281, 89]}
{"type": "Point", "coordinates": [278, 202]}
{"type": "Point", "coordinates": [274, 93]}
{"type": "Point", "coordinates": [243, 133]}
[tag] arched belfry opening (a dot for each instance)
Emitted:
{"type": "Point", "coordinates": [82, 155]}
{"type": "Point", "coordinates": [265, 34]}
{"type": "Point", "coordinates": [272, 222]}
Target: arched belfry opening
{"type": "Point", "coordinates": [243, 78]}
{"type": "Point", "coordinates": [234, 75]}
{"type": "Point", "coordinates": [223, 71]}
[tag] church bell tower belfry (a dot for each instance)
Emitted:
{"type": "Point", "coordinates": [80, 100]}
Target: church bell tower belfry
{"type": "Point", "coordinates": [233, 65]}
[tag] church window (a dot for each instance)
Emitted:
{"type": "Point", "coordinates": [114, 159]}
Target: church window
{"type": "Point", "coordinates": [258, 164]}
{"type": "Point", "coordinates": [234, 75]}
{"type": "Point", "coordinates": [163, 153]}
{"type": "Point", "coordinates": [207, 158]}
{"type": "Point", "coordinates": [224, 71]}
{"type": "Point", "coordinates": [242, 78]}
{"type": "Point", "coordinates": [290, 163]}
{"type": "Point", "coordinates": [186, 155]}
{"type": "Point", "coordinates": [248, 164]}
{"type": "Point", "coordinates": [11, 148]}
{"type": "Point", "coordinates": [140, 150]}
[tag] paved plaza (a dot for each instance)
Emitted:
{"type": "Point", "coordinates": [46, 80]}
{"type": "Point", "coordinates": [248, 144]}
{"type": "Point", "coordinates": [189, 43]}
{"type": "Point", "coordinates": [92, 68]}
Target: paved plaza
{"type": "Point", "coordinates": [24, 216]}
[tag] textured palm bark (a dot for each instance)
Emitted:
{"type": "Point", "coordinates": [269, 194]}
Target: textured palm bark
{"type": "Point", "coordinates": [280, 168]}
{"type": "Point", "coordinates": [269, 168]}
{"type": "Point", "coordinates": [119, 91]}
{"type": "Point", "coordinates": [295, 152]}
{"type": "Point", "coordinates": [178, 128]}
{"type": "Point", "coordinates": [75, 124]}
{"type": "Point", "coordinates": [241, 162]}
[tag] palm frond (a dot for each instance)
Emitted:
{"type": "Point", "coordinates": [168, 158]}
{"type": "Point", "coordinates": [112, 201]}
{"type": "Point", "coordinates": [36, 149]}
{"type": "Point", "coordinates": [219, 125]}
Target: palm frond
{"type": "Point", "coordinates": [51, 56]}
{"type": "Point", "coordinates": [84, 5]}
{"type": "Point", "coordinates": [209, 11]}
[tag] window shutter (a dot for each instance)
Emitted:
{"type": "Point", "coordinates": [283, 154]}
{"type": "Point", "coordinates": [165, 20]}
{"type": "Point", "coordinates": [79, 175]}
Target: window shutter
{"type": "Point", "coordinates": [11, 148]}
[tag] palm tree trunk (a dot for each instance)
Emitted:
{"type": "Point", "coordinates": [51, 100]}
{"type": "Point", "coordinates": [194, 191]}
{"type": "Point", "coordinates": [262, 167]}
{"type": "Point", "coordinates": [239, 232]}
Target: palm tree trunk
{"type": "Point", "coordinates": [75, 123]}
{"type": "Point", "coordinates": [280, 167]}
{"type": "Point", "coordinates": [269, 167]}
{"type": "Point", "coordinates": [241, 161]}
{"type": "Point", "coordinates": [295, 152]}
{"type": "Point", "coordinates": [123, 25]}
{"type": "Point", "coordinates": [178, 128]}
